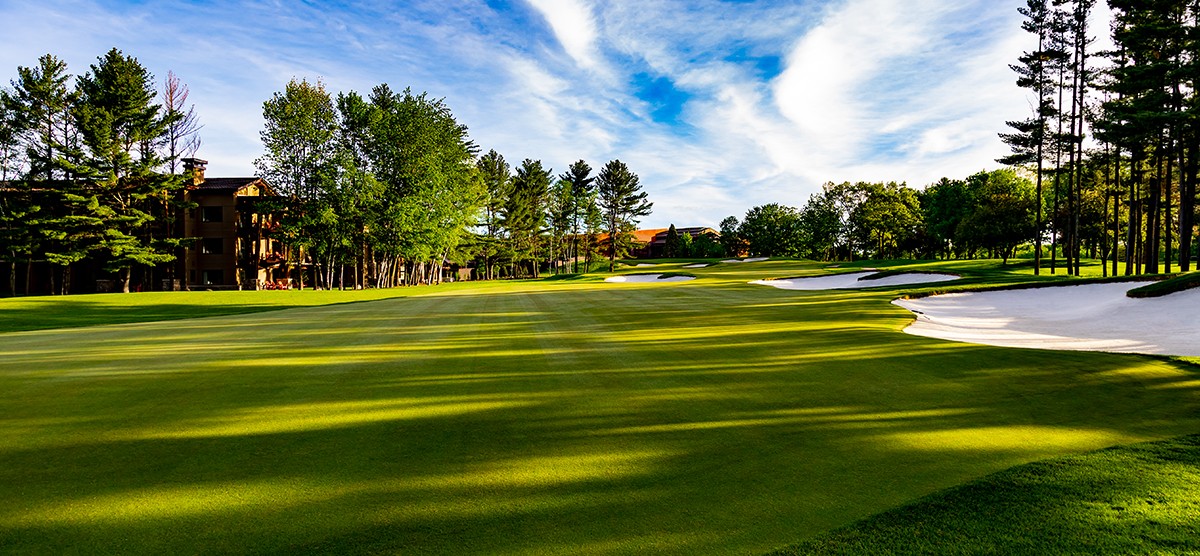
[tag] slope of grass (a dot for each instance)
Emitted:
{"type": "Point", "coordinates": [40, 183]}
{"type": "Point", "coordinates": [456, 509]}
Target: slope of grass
{"type": "Point", "coordinates": [1169, 286]}
{"type": "Point", "coordinates": [1139, 499]}
{"type": "Point", "coordinates": [566, 416]}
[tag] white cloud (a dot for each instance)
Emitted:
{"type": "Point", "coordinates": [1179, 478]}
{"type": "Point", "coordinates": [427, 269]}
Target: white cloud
{"type": "Point", "coordinates": [869, 90]}
{"type": "Point", "coordinates": [573, 26]}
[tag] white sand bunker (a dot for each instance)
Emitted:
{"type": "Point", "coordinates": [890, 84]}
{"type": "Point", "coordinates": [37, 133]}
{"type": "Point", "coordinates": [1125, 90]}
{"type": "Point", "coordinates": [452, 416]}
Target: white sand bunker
{"type": "Point", "coordinates": [645, 278]}
{"type": "Point", "coordinates": [750, 260]}
{"type": "Point", "coordinates": [644, 264]}
{"type": "Point", "coordinates": [1092, 317]}
{"type": "Point", "coordinates": [697, 265]}
{"type": "Point", "coordinates": [853, 280]}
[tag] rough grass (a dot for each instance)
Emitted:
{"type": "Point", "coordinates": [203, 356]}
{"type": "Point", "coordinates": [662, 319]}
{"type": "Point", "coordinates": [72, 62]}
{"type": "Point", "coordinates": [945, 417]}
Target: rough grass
{"type": "Point", "coordinates": [1139, 499]}
{"type": "Point", "coordinates": [534, 417]}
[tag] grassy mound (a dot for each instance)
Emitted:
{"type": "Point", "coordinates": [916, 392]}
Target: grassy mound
{"type": "Point", "coordinates": [666, 275]}
{"type": "Point", "coordinates": [1138, 499]}
{"type": "Point", "coordinates": [1165, 287]}
{"type": "Point", "coordinates": [898, 271]}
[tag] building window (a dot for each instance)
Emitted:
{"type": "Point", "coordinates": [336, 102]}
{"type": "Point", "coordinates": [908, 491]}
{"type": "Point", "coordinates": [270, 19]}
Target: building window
{"type": "Point", "coordinates": [212, 246]}
{"type": "Point", "coordinates": [212, 277]}
{"type": "Point", "coordinates": [210, 214]}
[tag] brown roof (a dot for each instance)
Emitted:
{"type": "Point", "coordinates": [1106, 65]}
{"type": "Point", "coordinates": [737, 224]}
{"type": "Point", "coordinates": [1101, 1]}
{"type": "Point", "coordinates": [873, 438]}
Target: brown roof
{"type": "Point", "coordinates": [661, 237]}
{"type": "Point", "coordinates": [224, 185]}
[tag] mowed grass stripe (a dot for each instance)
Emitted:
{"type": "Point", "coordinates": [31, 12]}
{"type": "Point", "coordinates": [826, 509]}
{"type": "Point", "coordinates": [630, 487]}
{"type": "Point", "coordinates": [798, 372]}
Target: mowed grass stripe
{"type": "Point", "coordinates": [706, 417]}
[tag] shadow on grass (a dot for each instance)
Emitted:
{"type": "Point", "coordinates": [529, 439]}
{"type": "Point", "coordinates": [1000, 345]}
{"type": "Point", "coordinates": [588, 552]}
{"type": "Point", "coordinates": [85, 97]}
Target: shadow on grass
{"type": "Point", "coordinates": [569, 419]}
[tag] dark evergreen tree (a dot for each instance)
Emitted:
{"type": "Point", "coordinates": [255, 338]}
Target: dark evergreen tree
{"type": "Point", "coordinates": [622, 201]}
{"type": "Point", "coordinates": [671, 247]}
{"type": "Point", "coordinates": [1029, 141]}
{"type": "Point", "coordinates": [582, 189]}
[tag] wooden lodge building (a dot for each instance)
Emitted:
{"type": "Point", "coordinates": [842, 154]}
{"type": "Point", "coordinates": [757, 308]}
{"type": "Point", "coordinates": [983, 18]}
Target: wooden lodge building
{"type": "Point", "coordinates": [234, 247]}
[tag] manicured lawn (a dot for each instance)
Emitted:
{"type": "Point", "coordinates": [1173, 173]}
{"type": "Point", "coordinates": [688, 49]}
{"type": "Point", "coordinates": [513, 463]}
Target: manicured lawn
{"type": "Point", "coordinates": [1139, 499]}
{"type": "Point", "coordinates": [560, 416]}
{"type": "Point", "coordinates": [47, 312]}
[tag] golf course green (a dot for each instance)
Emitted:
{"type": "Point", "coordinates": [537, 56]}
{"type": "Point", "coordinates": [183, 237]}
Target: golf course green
{"type": "Point", "coordinates": [556, 416]}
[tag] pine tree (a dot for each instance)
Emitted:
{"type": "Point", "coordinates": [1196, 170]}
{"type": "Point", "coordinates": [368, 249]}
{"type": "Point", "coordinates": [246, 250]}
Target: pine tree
{"type": "Point", "coordinates": [1029, 141]}
{"type": "Point", "coordinates": [496, 180]}
{"type": "Point", "coordinates": [119, 125]}
{"type": "Point", "coordinates": [671, 248]}
{"type": "Point", "coordinates": [579, 174]}
{"type": "Point", "coordinates": [525, 212]}
{"type": "Point", "coordinates": [622, 202]}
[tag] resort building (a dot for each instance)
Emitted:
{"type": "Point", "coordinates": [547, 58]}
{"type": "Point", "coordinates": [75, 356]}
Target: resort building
{"type": "Point", "coordinates": [234, 248]}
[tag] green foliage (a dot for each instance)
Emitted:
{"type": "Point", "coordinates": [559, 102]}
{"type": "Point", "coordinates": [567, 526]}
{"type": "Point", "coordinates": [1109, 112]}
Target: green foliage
{"type": "Point", "coordinates": [622, 202]}
{"type": "Point", "coordinates": [525, 213]}
{"type": "Point", "coordinates": [885, 218]}
{"type": "Point", "coordinates": [560, 214]}
{"type": "Point", "coordinates": [671, 247]}
{"type": "Point", "coordinates": [496, 176]}
{"type": "Point", "coordinates": [772, 230]}
{"type": "Point", "coordinates": [686, 247]}
{"type": "Point", "coordinates": [820, 227]}
{"type": "Point", "coordinates": [39, 109]}
{"type": "Point", "coordinates": [121, 128]}
{"type": "Point", "coordinates": [733, 243]}
{"type": "Point", "coordinates": [299, 137]}
{"type": "Point", "coordinates": [394, 174]}
{"type": "Point", "coordinates": [583, 197]}
{"type": "Point", "coordinates": [1001, 214]}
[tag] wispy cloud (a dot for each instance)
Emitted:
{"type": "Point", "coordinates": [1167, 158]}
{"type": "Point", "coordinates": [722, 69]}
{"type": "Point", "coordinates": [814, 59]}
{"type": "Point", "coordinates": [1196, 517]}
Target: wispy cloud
{"type": "Point", "coordinates": [717, 105]}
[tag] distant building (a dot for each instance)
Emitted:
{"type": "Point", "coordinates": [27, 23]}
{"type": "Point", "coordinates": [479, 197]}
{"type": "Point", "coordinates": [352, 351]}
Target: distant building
{"type": "Point", "coordinates": [657, 244]}
{"type": "Point", "coordinates": [234, 248]}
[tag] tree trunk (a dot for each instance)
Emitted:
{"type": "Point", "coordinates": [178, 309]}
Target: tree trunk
{"type": "Point", "coordinates": [125, 276]}
{"type": "Point", "coordinates": [1168, 182]}
{"type": "Point", "coordinates": [1187, 206]}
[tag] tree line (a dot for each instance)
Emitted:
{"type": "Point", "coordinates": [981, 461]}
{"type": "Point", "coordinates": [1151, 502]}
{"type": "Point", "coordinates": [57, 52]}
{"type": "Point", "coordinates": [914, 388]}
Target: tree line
{"type": "Point", "coordinates": [392, 185]}
{"type": "Point", "coordinates": [388, 187]}
{"type": "Point", "coordinates": [989, 214]}
{"type": "Point", "coordinates": [1134, 191]}
{"type": "Point", "coordinates": [87, 168]}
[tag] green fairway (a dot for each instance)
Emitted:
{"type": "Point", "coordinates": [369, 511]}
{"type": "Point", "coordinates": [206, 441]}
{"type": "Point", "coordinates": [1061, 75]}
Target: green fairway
{"type": "Point", "coordinates": [47, 312]}
{"type": "Point", "coordinates": [565, 416]}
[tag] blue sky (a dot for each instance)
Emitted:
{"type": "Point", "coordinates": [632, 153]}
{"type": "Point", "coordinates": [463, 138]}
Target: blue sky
{"type": "Point", "coordinates": [717, 105]}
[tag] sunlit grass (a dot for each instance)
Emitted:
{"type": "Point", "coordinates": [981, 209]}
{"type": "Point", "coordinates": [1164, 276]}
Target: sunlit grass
{"type": "Point", "coordinates": [530, 417]}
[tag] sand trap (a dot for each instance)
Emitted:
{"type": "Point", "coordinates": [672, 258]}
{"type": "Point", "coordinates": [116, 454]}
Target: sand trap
{"type": "Point", "coordinates": [1091, 317]}
{"type": "Point", "coordinates": [644, 264]}
{"type": "Point", "coordinates": [645, 278]}
{"type": "Point", "coordinates": [750, 260]}
{"type": "Point", "coordinates": [698, 265]}
{"type": "Point", "coordinates": [851, 280]}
